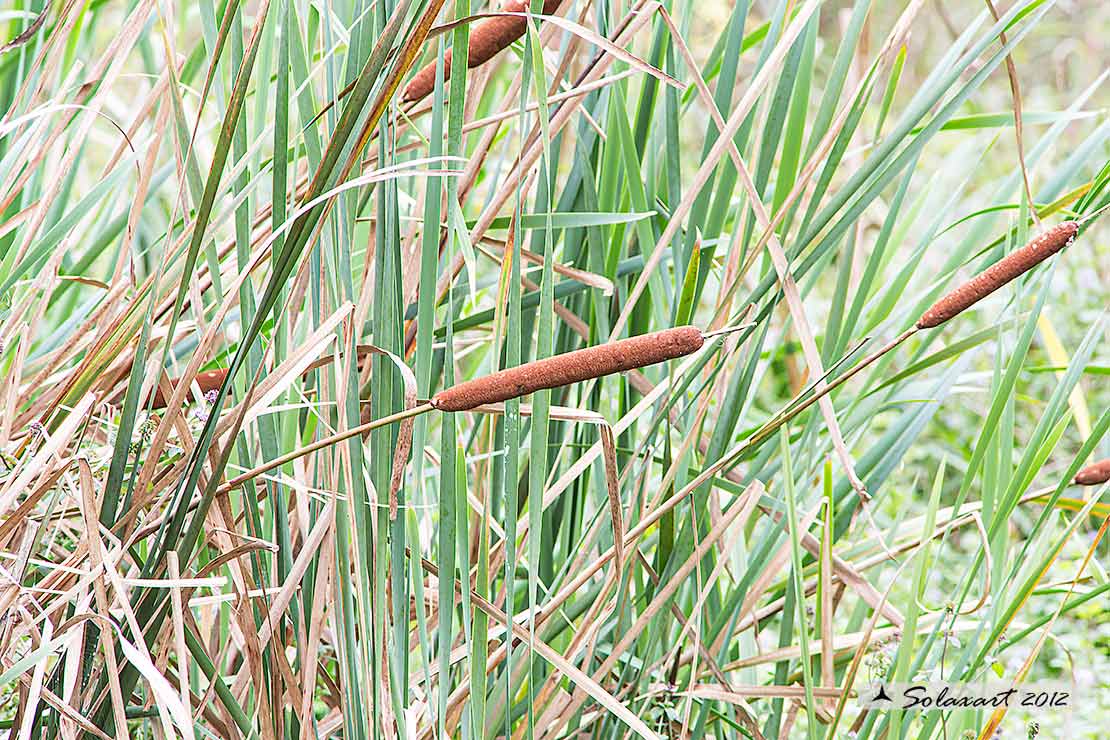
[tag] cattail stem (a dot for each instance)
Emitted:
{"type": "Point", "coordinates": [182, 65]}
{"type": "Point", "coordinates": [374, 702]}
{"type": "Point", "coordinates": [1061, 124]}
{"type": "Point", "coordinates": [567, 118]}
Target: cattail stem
{"type": "Point", "coordinates": [571, 367]}
{"type": "Point", "coordinates": [1000, 273]}
{"type": "Point", "coordinates": [487, 40]}
{"type": "Point", "coordinates": [727, 330]}
{"type": "Point", "coordinates": [1094, 214]}
{"type": "Point", "coordinates": [325, 442]}
{"type": "Point", "coordinates": [777, 421]}
{"type": "Point", "coordinates": [1094, 474]}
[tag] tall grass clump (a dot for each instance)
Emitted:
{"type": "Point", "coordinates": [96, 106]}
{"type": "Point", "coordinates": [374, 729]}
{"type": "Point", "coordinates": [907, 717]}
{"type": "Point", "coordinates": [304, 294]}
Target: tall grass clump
{"type": "Point", "coordinates": [667, 370]}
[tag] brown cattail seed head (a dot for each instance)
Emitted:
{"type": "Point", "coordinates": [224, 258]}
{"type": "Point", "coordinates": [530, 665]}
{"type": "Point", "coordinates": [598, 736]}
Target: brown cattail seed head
{"type": "Point", "coordinates": [571, 367]}
{"type": "Point", "coordinates": [487, 39]}
{"type": "Point", "coordinates": [208, 381]}
{"type": "Point", "coordinates": [1001, 272]}
{"type": "Point", "coordinates": [1094, 474]}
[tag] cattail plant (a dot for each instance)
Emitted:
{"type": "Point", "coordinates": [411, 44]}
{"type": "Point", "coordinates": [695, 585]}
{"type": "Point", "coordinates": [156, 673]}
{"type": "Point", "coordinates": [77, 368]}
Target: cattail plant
{"type": "Point", "coordinates": [552, 372]}
{"type": "Point", "coordinates": [571, 367]}
{"type": "Point", "coordinates": [1094, 474]}
{"type": "Point", "coordinates": [960, 299]}
{"type": "Point", "coordinates": [994, 277]}
{"type": "Point", "coordinates": [486, 40]}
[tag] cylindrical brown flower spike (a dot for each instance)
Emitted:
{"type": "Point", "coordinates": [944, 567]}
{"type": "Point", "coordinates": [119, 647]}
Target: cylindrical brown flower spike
{"type": "Point", "coordinates": [1000, 273]}
{"type": "Point", "coordinates": [486, 39]}
{"type": "Point", "coordinates": [1094, 474]}
{"type": "Point", "coordinates": [208, 381]}
{"type": "Point", "coordinates": [571, 367]}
